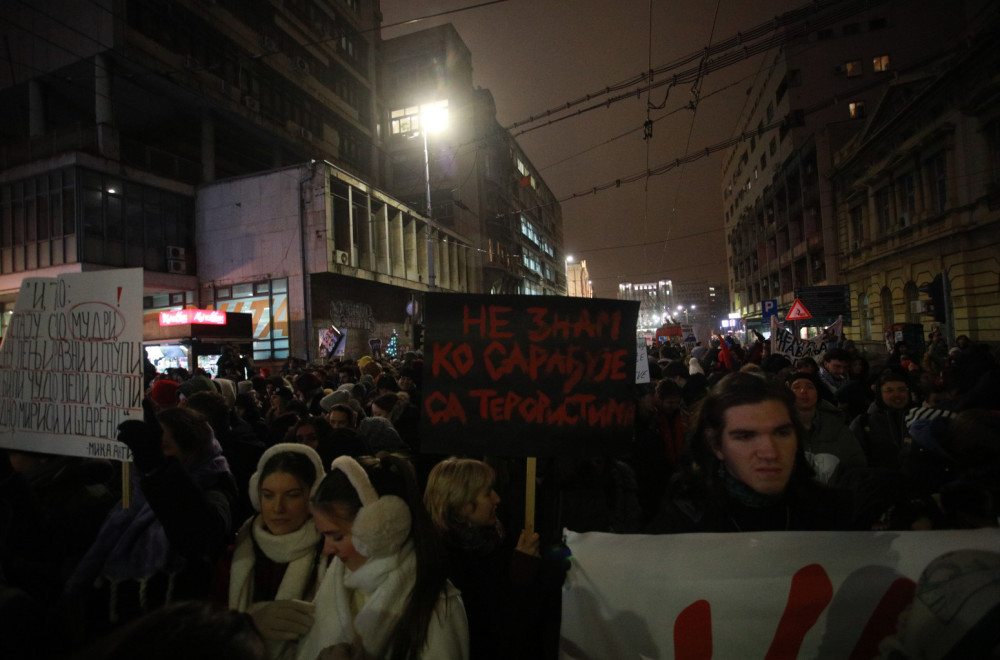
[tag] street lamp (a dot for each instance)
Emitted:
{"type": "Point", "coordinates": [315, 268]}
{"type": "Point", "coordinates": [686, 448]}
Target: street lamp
{"type": "Point", "coordinates": [433, 118]}
{"type": "Point", "coordinates": [569, 258]}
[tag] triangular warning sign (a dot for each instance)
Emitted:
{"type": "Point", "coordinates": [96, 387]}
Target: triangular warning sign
{"type": "Point", "coordinates": [798, 312]}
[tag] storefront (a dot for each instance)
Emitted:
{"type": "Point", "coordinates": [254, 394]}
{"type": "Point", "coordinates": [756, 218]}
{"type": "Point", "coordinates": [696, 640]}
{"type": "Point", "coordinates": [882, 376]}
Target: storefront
{"type": "Point", "coordinates": [196, 338]}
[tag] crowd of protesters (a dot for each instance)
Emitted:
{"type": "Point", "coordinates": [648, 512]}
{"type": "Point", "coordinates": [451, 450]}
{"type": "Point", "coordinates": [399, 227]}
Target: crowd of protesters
{"type": "Point", "coordinates": [301, 502]}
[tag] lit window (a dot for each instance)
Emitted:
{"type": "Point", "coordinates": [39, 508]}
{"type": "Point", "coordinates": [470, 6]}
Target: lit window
{"type": "Point", "coordinates": [853, 68]}
{"type": "Point", "coordinates": [880, 63]}
{"type": "Point", "coordinates": [407, 120]}
{"type": "Point", "coordinates": [856, 109]}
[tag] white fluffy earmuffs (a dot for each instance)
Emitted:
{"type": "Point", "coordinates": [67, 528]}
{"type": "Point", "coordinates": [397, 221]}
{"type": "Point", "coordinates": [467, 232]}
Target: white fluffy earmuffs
{"type": "Point", "coordinates": [279, 448]}
{"type": "Point", "coordinates": [383, 523]}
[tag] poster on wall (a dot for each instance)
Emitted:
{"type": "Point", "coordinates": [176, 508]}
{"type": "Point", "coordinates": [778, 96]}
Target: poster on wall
{"type": "Point", "coordinates": [528, 375]}
{"type": "Point", "coordinates": [71, 364]}
{"type": "Point", "coordinates": [270, 314]}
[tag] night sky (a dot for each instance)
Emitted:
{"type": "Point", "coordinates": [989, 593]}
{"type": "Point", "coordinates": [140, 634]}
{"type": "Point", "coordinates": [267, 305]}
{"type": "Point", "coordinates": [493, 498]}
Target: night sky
{"type": "Point", "coordinates": [537, 55]}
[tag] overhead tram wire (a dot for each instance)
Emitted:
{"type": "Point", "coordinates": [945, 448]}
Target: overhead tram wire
{"type": "Point", "coordinates": [795, 20]}
{"type": "Point", "coordinates": [696, 93]}
{"type": "Point", "coordinates": [718, 146]}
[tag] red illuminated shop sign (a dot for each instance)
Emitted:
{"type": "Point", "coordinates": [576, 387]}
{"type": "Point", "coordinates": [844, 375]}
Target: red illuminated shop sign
{"type": "Point", "coordinates": [189, 316]}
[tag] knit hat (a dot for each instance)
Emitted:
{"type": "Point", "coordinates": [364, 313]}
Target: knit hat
{"type": "Point", "coordinates": [164, 393]}
{"type": "Point", "coordinates": [332, 399]}
{"type": "Point", "coordinates": [379, 434]}
{"type": "Point", "coordinates": [227, 388]}
{"type": "Point", "coordinates": [196, 384]}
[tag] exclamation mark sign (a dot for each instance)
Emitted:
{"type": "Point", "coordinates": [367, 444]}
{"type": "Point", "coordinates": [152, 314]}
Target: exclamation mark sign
{"type": "Point", "coordinates": [119, 296]}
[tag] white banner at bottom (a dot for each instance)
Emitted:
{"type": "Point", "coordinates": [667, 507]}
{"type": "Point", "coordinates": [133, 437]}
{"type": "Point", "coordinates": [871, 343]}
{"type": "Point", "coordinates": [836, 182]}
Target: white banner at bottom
{"type": "Point", "coordinates": [750, 595]}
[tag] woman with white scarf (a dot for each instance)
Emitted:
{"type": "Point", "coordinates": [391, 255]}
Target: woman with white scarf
{"type": "Point", "coordinates": [277, 562]}
{"type": "Point", "coordinates": [387, 595]}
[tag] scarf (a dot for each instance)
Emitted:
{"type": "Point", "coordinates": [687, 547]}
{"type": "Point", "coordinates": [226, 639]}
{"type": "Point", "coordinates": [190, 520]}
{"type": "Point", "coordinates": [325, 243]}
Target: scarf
{"type": "Point", "coordinates": [474, 539]}
{"type": "Point", "coordinates": [298, 550]}
{"type": "Point", "coordinates": [388, 583]}
{"type": "Point", "coordinates": [745, 495]}
{"type": "Point", "coordinates": [132, 544]}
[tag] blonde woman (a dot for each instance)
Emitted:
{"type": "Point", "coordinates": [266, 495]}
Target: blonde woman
{"type": "Point", "coordinates": [505, 585]}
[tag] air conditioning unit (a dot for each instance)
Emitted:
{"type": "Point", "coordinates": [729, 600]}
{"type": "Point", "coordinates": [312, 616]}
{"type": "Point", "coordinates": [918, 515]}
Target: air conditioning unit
{"type": "Point", "coordinates": [305, 133]}
{"type": "Point", "coordinates": [251, 103]}
{"type": "Point", "coordinates": [177, 266]}
{"type": "Point", "coordinates": [176, 252]}
{"type": "Point", "coordinates": [342, 258]}
{"type": "Point", "coordinates": [301, 65]}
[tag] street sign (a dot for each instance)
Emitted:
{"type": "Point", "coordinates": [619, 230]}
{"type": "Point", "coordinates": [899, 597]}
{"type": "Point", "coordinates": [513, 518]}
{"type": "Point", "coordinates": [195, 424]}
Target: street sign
{"type": "Point", "coordinates": [826, 303]}
{"type": "Point", "coordinates": [798, 312]}
{"type": "Point", "coordinates": [768, 308]}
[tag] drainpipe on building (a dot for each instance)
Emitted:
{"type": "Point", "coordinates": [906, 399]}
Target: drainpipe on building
{"type": "Point", "coordinates": [306, 287]}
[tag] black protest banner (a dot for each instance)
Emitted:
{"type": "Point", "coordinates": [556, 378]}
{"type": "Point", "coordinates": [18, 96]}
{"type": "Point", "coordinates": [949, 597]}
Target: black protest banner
{"type": "Point", "coordinates": [528, 375]}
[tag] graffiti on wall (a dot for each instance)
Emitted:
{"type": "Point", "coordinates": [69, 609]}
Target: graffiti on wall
{"type": "Point", "coordinates": [348, 314]}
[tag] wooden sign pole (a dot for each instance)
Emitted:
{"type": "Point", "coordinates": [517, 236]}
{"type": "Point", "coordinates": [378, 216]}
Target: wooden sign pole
{"type": "Point", "coordinates": [529, 496]}
{"type": "Point", "coordinates": [126, 485]}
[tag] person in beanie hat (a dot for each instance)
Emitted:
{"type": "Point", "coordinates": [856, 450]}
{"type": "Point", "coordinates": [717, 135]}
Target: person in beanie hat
{"type": "Point", "coordinates": [164, 394]}
{"type": "Point", "coordinates": [828, 443]}
{"type": "Point", "coordinates": [882, 429]}
{"type": "Point", "coordinates": [195, 384]}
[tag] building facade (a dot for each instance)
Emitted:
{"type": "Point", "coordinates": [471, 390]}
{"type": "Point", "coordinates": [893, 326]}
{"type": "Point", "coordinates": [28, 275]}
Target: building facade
{"type": "Point", "coordinates": [918, 199]}
{"type": "Point", "coordinates": [578, 282]}
{"type": "Point", "coordinates": [482, 184]}
{"type": "Point", "coordinates": [246, 156]}
{"type": "Point", "coordinates": [656, 302]}
{"type": "Point", "coordinates": [810, 97]}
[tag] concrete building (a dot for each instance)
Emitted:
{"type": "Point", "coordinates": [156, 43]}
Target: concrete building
{"type": "Point", "coordinates": [482, 184]}
{"type": "Point", "coordinates": [918, 198]}
{"type": "Point", "coordinates": [808, 99]}
{"type": "Point", "coordinates": [579, 284]}
{"type": "Point", "coordinates": [244, 156]}
{"type": "Point", "coordinates": [656, 302]}
{"type": "Point", "coordinates": [706, 304]}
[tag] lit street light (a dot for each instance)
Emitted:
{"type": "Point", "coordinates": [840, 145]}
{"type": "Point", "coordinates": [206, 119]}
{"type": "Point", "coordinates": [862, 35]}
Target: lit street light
{"type": "Point", "coordinates": [433, 118]}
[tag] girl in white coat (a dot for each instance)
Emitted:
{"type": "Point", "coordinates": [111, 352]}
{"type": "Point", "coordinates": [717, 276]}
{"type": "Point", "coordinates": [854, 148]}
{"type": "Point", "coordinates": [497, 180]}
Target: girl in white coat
{"type": "Point", "coordinates": [385, 594]}
{"type": "Point", "coordinates": [277, 561]}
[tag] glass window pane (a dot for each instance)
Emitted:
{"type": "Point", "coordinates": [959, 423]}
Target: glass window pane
{"type": "Point", "coordinates": [69, 211]}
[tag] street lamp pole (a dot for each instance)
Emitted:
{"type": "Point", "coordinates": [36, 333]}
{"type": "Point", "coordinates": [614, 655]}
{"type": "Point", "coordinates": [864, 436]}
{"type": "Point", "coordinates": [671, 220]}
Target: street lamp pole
{"type": "Point", "coordinates": [569, 258]}
{"type": "Point", "coordinates": [430, 221]}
